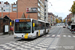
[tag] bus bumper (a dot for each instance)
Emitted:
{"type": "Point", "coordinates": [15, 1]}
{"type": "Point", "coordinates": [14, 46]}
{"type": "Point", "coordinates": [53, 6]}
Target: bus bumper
{"type": "Point", "coordinates": [29, 37]}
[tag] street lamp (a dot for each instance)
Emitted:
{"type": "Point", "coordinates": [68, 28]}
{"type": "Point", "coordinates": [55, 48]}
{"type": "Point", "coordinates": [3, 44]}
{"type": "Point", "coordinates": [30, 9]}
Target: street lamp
{"type": "Point", "coordinates": [17, 8]}
{"type": "Point", "coordinates": [2, 12]}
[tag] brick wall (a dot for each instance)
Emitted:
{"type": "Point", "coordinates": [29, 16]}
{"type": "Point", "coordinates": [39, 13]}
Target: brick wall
{"type": "Point", "coordinates": [2, 24]}
{"type": "Point", "coordinates": [24, 4]}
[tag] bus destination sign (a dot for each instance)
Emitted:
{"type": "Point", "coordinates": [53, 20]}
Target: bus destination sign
{"type": "Point", "coordinates": [24, 20]}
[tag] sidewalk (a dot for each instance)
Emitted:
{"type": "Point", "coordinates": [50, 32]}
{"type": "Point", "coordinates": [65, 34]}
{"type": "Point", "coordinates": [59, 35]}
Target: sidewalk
{"type": "Point", "coordinates": [1, 34]}
{"type": "Point", "coordinates": [6, 35]}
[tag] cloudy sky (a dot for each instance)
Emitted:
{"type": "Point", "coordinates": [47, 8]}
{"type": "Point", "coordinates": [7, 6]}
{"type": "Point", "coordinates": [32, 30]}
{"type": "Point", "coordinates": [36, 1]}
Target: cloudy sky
{"type": "Point", "coordinates": [59, 7]}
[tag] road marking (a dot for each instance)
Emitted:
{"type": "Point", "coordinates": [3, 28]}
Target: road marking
{"type": "Point", "coordinates": [69, 35]}
{"type": "Point", "coordinates": [53, 35]}
{"type": "Point", "coordinates": [52, 47]}
{"type": "Point", "coordinates": [47, 35]}
{"type": "Point", "coordinates": [58, 35]}
{"type": "Point", "coordinates": [64, 35]}
{"type": "Point", "coordinates": [74, 36]}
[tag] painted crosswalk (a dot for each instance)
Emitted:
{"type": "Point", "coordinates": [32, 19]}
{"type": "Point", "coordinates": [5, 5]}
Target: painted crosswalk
{"type": "Point", "coordinates": [58, 36]}
{"type": "Point", "coordinates": [27, 45]}
{"type": "Point", "coordinates": [24, 45]}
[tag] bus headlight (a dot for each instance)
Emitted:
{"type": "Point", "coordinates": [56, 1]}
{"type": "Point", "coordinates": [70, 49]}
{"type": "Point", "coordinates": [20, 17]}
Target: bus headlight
{"type": "Point", "coordinates": [30, 35]}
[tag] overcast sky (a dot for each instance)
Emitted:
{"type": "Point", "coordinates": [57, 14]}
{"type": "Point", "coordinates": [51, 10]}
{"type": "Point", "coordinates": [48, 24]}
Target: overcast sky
{"type": "Point", "coordinates": [59, 7]}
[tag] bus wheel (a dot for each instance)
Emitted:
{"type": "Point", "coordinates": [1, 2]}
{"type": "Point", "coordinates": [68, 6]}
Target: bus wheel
{"type": "Point", "coordinates": [44, 32]}
{"type": "Point", "coordinates": [48, 32]}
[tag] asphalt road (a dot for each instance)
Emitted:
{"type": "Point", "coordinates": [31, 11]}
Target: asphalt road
{"type": "Point", "coordinates": [67, 41]}
{"type": "Point", "coordinates": [58, 39]}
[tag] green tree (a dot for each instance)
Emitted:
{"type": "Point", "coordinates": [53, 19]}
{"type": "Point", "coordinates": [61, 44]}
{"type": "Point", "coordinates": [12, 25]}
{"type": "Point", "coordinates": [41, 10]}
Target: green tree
{"type": "Point", "coordinates": [73, 8]}
{"type": "Point", "coordinates": [64, 20]}
{"type": "Point", "coordinates": [57, 21]}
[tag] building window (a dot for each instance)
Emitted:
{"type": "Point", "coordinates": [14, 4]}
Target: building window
{"type": "Point", "coordinates": [8, 10]}
{"type": "Point", "coordinates": [14, 9]}
{"type": "Point", "coordinates": [45, 0]}
{"type": "Point", "coordinates": [45, 5]}
{"type": "Point", "coordinates": [45, 13]}
{"type": "Point", "coordinates": [14, 5]}
{"type": "Point", "coordinates": [45, 9]}
{"type": "Point", "coordinates": [38, 9]}
{"type": "Point", "coordinates": [3, 6]}
{"type": "Point", "coordinates": [7, 5]}
{"type": "Point", "coordinates": [39, 14]}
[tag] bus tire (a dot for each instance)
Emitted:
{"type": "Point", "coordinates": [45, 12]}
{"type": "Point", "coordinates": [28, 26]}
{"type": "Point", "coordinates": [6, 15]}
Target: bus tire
{"type": "Point", "coordinates": [47, 31]}
{"type": "Point", "coordinates": [44, 32]}
{"type": "Point", "coordinates": [36, 34]}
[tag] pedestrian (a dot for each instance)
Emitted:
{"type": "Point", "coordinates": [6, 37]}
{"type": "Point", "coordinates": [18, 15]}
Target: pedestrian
{"type": "Point", "coordinates": [11, 30]}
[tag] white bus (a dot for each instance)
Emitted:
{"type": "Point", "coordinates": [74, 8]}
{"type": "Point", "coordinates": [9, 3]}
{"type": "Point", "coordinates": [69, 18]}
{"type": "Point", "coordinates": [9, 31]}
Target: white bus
{"type": "Point", "coordinates": [29, 28]}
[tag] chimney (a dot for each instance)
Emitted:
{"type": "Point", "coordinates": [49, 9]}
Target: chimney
{"type": "Point", "coordinates": [6, 3]}
{"type": "Point", "coordinates": [0, 2]}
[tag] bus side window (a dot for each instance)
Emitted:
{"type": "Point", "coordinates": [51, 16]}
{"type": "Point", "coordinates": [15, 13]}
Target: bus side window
{"type": "Point", "coordinates": [36, 25]}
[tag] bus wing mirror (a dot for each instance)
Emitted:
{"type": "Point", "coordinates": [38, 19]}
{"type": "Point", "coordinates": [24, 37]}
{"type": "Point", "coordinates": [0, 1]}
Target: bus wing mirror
{"type": "Point", "coordinates": [33, 24]}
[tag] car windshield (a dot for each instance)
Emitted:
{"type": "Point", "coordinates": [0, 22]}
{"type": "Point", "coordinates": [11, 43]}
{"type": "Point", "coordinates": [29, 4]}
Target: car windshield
{"type": "Point", "coordinates": [23, 27]}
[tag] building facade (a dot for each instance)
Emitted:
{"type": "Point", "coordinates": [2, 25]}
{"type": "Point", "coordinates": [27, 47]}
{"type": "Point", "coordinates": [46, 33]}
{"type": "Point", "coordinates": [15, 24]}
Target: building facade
{"type": "Point", "coordinates": [46, 10]}
{"type": "Point", "coordinates": [69, 18]}
{"type": "Point", "coordinates": [55, 20]}
{"type": "Point", "coordinates": [51, 18]}
{"type": "Point", "coordinates": [5, 6]}
{"type": "Point", "coordinates": [34, 8]}
{"type": "Point", "coordinates": [14, 7]}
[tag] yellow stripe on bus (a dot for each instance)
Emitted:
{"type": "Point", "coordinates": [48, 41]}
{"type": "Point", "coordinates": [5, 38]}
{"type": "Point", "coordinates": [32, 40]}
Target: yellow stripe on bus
{"type": "Point", "coordinates": [39, 33]}
{"type": "Point", "coordinates": [26, 36]}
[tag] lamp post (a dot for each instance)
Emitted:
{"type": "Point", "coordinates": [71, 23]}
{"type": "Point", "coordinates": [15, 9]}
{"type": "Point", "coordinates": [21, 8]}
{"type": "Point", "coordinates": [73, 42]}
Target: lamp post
{"type": "Point", "coordinates": [9, 10]}
{"type": "Point", "coordinates": [17, 8]}
{"type": "Point", "coordinates": [2, 12]}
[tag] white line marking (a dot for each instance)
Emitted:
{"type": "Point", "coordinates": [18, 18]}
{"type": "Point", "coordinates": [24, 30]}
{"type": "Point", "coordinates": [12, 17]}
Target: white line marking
{"type": "Point", "coordinates": [47, 35]}
{"type": "Point", "coordinates": [69, 35]}
{"type": "Point", "coordinates": [64, 35]}
{"type": "Point", "coordinates": [52, 47]}
{"type": "Point", "coordinates": [53, 35]}
{"type": "Point", "coordinates": [58, 35]}
{"type": "Point", "coordinates": [74, 36]}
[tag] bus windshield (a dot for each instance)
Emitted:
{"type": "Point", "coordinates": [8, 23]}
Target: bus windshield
{"type": "Point", "coordinates": [22, 27]}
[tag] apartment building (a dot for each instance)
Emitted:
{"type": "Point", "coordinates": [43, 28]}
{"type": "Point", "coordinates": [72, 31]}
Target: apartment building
{"type": "Point", "coordinates": [14, 7]}
{"type": "Point", "coordinates": [34, 8]}
{"type": "Point", "coordinates": [70, 18]}
{"type": "Point", "coordinates": [46, 10]}
{"type": "Point", "coordinates": [5, 6]}
{"type": "Point", "coordinates": [51, 18]}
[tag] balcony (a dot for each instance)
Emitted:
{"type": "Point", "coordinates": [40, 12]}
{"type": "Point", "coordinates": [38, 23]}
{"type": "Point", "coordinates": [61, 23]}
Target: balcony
{"type": "Point", "coordinates": [41, 2]}
{"type": "Point", "coordinates": [38, 9]}
{"type": "Point", "coordinates": [39, 14]}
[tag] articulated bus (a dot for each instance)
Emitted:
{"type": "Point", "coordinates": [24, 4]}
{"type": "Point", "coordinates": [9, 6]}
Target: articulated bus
{"type": "Point", "coordinates": [30, 28]}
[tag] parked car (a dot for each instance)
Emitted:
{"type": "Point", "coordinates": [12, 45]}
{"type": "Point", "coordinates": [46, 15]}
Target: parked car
{"type": "Point", "coordinates": [73, 30]}
{"type": "Point", "coordinates": [69, 27]}
{"type": "Point", "coordinates": [57, 24]}
{"type": "Point", "coordinates": [73, 27]}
